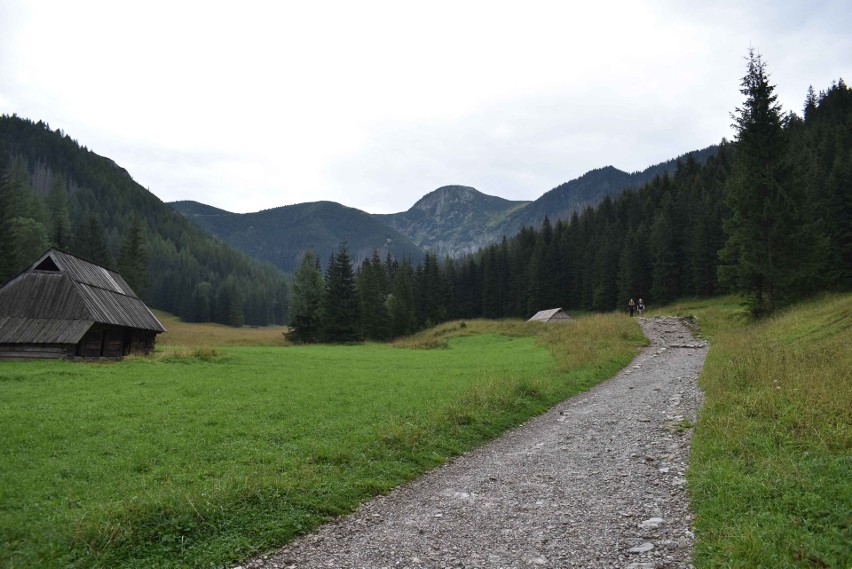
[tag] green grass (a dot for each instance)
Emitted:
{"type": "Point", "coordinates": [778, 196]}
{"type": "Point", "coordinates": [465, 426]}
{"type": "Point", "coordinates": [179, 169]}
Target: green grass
{"type": "Point", "coordinates": [203, 456]}
{"type": "Point", "coordinates": [771, 471]}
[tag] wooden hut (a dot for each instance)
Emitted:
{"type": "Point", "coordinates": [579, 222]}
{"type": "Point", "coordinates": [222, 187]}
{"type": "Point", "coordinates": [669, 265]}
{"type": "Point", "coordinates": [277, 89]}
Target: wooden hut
{"type": "Point", "coordinates": [550, 315]}
{"type": "Point", "coordinates": [63, 306]}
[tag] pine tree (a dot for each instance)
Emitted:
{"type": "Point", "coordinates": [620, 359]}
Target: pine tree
{"type": "Point", "coordinates": [229, 302]}
{"type": "Point", "coordinates": [491, 306]}
{"type": "Point", "coordinates": [306, 303]}
{"type": "Point", "coordinates": [401, 304]}
{"type": "Point", "coordinates": [431, 290]}
{"type": "Point", "coordinates": [90, 242]}
{"type": "Point", "coordinates": [6, 215]}
{"type": "Point", "coordinates": [133, 260]}
{"type": "Point", "coordinates": [30, 238]}
{"type": "Point", "coordinates": [629, 270]}
{"type": "Point", "coordinates": [772, 252]}
{"type": "Point", "coordinates": [372, 283]}
{"type": "Point", "coordinates": [203, 303]}
{"type": "Point", "coordinates": [341, 315]}
{"type": "Point", "coordinates": [60, 221]}
{"type": "Point", "coordinates": [666, 268]}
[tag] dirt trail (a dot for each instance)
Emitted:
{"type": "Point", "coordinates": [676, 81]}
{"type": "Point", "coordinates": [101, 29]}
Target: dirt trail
{"type": "Point", "coordinates": [597, 481]}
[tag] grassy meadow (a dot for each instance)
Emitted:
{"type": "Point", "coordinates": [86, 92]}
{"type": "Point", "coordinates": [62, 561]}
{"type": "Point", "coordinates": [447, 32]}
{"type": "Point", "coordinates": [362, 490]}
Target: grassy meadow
{"type": "Point", "coordinates": [226, 442]}
{"type": "Point", "coordinates": [770, 477]}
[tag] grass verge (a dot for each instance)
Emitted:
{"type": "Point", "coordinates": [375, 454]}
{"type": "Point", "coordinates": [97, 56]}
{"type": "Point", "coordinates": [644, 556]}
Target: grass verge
{"type": "Point", "coordinates": [204, 456]}
{"type": "Point", "coordinates": [770, 478]}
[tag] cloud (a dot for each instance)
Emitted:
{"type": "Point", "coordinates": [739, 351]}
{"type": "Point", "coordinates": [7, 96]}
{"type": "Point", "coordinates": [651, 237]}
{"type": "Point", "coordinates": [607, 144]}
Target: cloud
{"type": "Point", "coordinates": [255, 105]}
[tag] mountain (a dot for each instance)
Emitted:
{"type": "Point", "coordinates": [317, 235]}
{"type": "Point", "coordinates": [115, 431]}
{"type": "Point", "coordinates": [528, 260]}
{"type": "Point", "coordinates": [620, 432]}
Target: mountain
{"type": "Point", "coordinates": [453, 220]}
{"type": "Point", "coordinates": [282, 235]}
{"type": "Point", "coordinates": [590, 189]}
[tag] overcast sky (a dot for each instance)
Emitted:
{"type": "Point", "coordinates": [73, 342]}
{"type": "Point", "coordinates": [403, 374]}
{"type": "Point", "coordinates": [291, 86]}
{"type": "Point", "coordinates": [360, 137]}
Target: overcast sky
{"type": "Point", "coordinates": [251, 105]}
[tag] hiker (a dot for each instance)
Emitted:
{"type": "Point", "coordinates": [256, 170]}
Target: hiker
{"type": "Point", "coordinates": [640, 307]}
{"type": "Point", "coordinates": [631, 306]}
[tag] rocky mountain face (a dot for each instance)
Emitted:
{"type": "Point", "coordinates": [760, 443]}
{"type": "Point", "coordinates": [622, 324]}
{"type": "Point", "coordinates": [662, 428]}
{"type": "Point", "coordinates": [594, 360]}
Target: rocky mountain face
{"type": "Point", "coordinates": [453, 220]}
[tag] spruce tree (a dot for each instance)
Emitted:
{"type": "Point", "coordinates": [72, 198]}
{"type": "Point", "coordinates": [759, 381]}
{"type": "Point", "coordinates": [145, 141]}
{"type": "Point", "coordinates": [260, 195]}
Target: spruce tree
{"type": "Point", "coordinates": [341, 314]}
{"type": "Point", "coordinates": [229, 302]}
{"type": "Point", "coordinates": [133, 260]}
{"type": "Point", "coordinates": [30, 239]}
{"type": "Point", "coordinates": [306, 303]}
{"type": "Point", "coordinates": [372, 283]}
{"type": "Point", "coordinates": [772, 252]}
{"type": "Point", "coordinates": [401, 303]}
{"type": "Point", "coordinates": [60, 221]}
{"type": "Point", "coordinates": [90, 242]}
{"type": "Point", "coordinates": [203, 303]}
{"type": "Point", "coordinates": [666, 268]}
{"type": "Point", "coordinates": [491, 307]}
{"type": "Point", "coordinates": [6, 215]}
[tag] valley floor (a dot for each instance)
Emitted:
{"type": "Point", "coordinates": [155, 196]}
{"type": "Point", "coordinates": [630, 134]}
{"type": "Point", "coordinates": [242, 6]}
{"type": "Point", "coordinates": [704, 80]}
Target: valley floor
{"type": "Point", "coordinates": [597, 481]}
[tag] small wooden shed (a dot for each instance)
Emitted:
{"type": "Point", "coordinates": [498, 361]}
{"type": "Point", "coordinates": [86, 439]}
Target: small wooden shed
{"type": "Point", "coordinates": [550, 315]}
{"type": "Point", "coordinates": [63, 306]}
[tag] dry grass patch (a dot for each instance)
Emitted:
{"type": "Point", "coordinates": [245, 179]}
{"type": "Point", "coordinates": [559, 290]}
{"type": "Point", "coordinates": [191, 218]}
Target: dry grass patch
{"type": "Point", "coordinates": [181, 335]}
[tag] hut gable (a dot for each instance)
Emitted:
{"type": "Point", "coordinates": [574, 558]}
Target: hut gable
{"type": "Point", "coordinates": [550, 315]}
{"type": "Point", "coordinates": [68, 306]}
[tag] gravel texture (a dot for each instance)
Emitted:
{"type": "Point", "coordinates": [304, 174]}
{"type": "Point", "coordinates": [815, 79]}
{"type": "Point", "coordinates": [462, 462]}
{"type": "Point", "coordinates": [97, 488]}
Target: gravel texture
{"type": "Point", "coordinates": [597, 481]}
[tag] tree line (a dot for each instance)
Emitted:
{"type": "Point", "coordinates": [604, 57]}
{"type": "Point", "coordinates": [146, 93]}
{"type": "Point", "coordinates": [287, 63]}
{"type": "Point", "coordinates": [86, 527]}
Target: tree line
{"type": "Point", "coordinates": [53, 192]}
{"type": "Point", "coordinates": [767, 216]}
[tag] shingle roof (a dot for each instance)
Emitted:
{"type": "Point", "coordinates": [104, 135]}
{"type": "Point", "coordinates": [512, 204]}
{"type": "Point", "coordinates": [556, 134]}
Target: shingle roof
{"type": "Point", "coordinates": [546, 315]}
{"type": "Point", "coordinates": [17, 330]}
{"type": "Point", "coordinates": [61, 290]}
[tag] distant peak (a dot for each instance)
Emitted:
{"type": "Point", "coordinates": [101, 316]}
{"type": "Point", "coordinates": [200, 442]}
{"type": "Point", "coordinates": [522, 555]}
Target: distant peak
{"type": "Point", "coordinates": [452, 190]}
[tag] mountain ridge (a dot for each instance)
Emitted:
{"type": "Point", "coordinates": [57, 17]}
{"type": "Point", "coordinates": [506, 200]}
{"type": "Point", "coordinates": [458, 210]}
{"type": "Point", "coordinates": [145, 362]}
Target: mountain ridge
{"type": "Point", "coordinates": [282, 235]}
{"type": "Point", "coordinates": [452, 220]}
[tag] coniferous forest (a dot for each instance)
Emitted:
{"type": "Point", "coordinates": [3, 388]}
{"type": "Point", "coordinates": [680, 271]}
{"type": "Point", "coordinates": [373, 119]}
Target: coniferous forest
{"type": "Point", "coordinates": [767, 216]}
{"type": "Point", "coordinates": [53, 192]}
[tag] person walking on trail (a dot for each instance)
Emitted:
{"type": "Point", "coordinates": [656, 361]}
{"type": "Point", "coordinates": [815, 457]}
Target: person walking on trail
{"type": "Point", "coordinates": [640, 307]}
{"type": "Point", "coordinates": [631, 306]}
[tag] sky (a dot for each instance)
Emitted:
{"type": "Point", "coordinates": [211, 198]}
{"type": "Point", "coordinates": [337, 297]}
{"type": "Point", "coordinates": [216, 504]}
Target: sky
{"type": "Point", "coordinates": [252, 105]}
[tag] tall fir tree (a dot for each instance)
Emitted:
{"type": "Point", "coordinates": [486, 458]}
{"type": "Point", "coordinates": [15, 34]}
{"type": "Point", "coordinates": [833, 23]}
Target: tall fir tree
{"type": "Point", "coordinates": [229, 302]}
{"type": "Point", "coordinates": [341, 310]}
{"type": "Point", "coordinates": [372, 283]}
{"type": "Point", "coordinates": [307, 299]}
{"type": "Point", "coordinates": [6, 215]}
{"type": "Point", "coordinates": [60, 220]}
{"type": "Point", "coordinates": [90, 241]}
{"type": "Point", "coordinates": [133, 259]}
{"type": "Point", "coordinates": [203, 303]}
{"type": "Point", "coordinates": [401, 303]}
{"type": "Point", "coordinates": [773, 252]}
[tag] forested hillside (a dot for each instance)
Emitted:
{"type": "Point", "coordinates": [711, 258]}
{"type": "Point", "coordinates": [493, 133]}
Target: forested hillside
{"type": "Point", "coordinates": [55, 192]}
{"type": "Point", "coordinates": [664, 240]}
{"type": "Point", "coordinates": [450, 221]}
{"type": "Point", "coordinates": [282, 235]}
{"type": "Point", "coordinates": [589, 190]}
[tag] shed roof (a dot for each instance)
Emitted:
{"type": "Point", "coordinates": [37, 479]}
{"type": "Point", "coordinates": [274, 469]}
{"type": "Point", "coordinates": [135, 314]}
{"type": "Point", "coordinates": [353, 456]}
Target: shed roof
{"type": "Point", "coordinates": [42, 330]}
{"type": "Point", "coordinates": [549, 314]}
{"type": "Point", "coordinates": [60, 296]}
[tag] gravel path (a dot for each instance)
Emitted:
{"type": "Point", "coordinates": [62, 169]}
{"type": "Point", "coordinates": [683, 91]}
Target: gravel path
{"type": "Point", "coordinates": [597, 481]}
